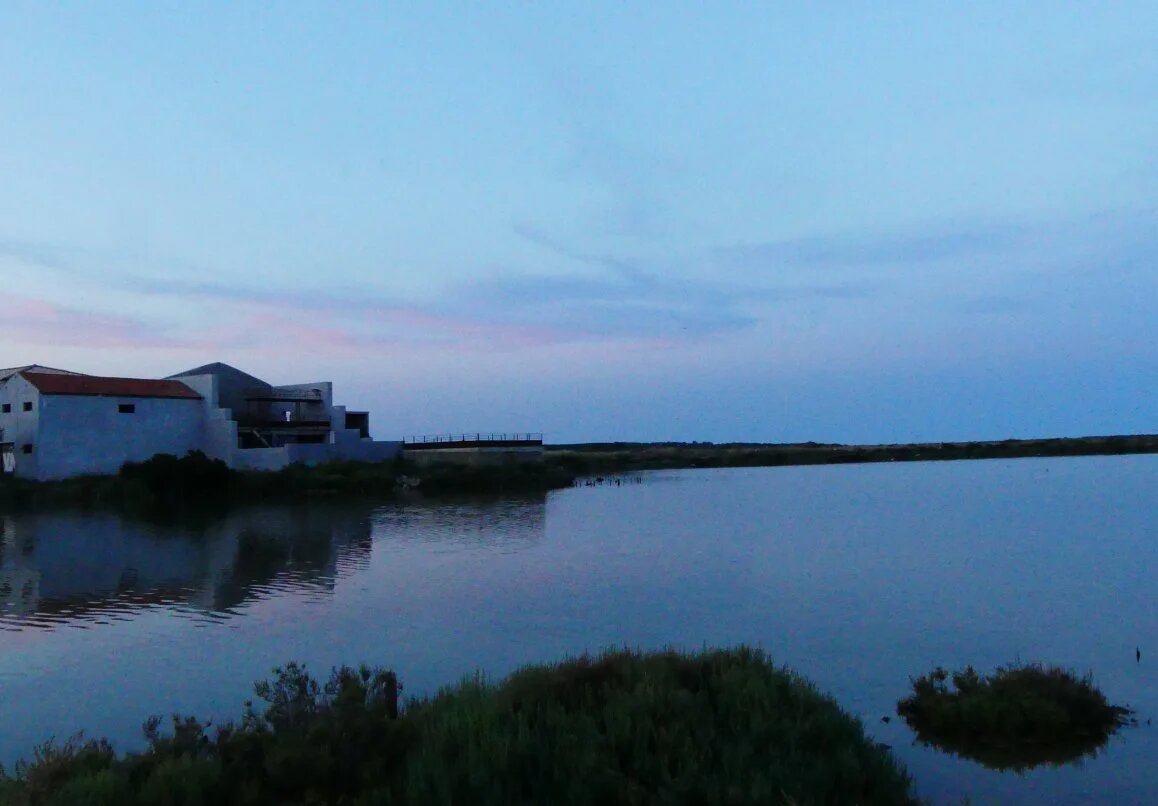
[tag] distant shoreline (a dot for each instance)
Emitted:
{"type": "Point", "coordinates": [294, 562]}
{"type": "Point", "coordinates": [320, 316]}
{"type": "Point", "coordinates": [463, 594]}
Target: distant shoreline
{"type": "Point", "coordinates": [624, 456]}
{"type": "Point", "coordinates": [172, 486]}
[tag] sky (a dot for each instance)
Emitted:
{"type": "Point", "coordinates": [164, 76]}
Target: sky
{"type": "Point", "coordinates": [774, 222]}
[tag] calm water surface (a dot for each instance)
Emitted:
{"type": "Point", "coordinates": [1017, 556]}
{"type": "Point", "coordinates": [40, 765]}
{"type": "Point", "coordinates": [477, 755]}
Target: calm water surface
{"type": "Point", "coordinates": [857, 576]}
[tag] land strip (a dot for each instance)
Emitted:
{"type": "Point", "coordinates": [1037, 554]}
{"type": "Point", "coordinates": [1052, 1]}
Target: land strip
{"type": "Point", "coordinates": [610, 457]}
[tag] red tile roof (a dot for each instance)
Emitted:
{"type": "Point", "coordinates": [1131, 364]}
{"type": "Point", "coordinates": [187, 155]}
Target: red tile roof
{"type": "Point", "coordinates": [112, 387]}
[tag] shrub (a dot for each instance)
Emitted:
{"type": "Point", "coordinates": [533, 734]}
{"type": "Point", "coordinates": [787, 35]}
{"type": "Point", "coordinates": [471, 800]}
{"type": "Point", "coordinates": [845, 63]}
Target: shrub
{"type": "Point", "coordinates": [1019, 717]}
{"type": "Point", "coordinates": [623, 727]}
{"type": "Point", "coordinates": [722, 726]}
{"type": "Point", "coordinates": [167, 477]}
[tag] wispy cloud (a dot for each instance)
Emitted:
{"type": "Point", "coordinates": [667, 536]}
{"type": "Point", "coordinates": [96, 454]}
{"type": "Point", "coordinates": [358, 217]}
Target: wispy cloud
{"type": "Point", "coordinates": [994, 304]}
{"type": "Point", "coordinates": [853, 251]}
{"type": "Point", "coordinates": [601, 297]}
{"type": "Point", "coordinates": [581, 295]}
{"type": "Point", "coordinates": [41, 322]}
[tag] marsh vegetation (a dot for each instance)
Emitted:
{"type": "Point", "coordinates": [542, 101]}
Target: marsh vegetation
{"type": "Point", "coordinates": [718, 726]}
{"type": "Point", "coordinates": [612, 457]}
{"type": "Point", "coordinates": [1019, 717]}
{"type": "Point", "coordinates": [168, 484]}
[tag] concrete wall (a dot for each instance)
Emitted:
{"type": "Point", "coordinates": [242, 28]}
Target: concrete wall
{"type": "Point", "coordinates": [476, 456]}
{"type": "Point", "coordinates": [362, 450]}
{"type": "Point", "coordinates": [261, 458]}
{"type": "Point", "coordinates": [369, 450]}
{"type": "Point", "coordinates": [82, 434]}
{"type": "Point", "coordinates": [231, 384]}
{"type": "Point", "coordinates": [21, 427]}
{"type": "Point", "coordinates": [219, 435]}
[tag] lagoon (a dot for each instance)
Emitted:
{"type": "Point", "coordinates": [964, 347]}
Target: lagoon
{"type": "Point", "coordinates": [858, 576]}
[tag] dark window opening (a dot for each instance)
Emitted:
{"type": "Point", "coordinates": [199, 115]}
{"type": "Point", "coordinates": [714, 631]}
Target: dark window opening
{"type": "Point", "coordinates": [26, 449]}
{"type": "Point", "coordinates": [127, 408]}
{"type": "Point", "coordinates": [360, 421]}
{"type": "Point", "coordinates": [28, 405]}
{"type": "Point", "coordinates": [7, 408]}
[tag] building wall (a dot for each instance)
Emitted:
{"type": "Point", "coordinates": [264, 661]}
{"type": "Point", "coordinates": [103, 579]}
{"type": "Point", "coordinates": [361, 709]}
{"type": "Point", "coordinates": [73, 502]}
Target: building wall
{"type": "Point", "coordinates": [20, 427]}
{"type": "Point", "coordinates": [360, 450]}
{"type": "Point", "coordinates": [219, 437]}
{"type": "Point", "coordinates": [230, 385]}
{"type": "Point", "coordinates": [369, 450]}
{"type": "Point", "coordinates": [86, 434]}
{"type": "Point", "coordinates": [261, 458]}
{"type": "Point", "coordinates": [318, 411]}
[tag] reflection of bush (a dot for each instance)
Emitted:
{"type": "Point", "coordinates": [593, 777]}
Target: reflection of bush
{"type": "Point", "coordinates": [1019, 717]}
{"type": "Point", "coordinates": [711, 727]}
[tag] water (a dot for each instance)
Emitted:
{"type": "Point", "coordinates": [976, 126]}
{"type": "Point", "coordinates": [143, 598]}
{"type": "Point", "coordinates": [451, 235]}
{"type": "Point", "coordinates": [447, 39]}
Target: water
{"type": "Point", "coordinates": [857, 576]}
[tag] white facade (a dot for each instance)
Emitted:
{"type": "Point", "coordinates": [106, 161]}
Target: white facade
{"type": "Point", "coordinates": [55, 436]}
{"type": "Point", "coordinates": [92, 425]}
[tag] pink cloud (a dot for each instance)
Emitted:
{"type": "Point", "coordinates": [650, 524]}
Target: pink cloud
{"type": "Point", "coordinates": [38, 322]}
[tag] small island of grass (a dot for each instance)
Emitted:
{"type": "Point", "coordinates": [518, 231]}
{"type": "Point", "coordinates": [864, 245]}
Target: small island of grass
{"type": "Point", "coordinates": [717, 726]}
{"type": "Point", "coordinates": [1019, 717]}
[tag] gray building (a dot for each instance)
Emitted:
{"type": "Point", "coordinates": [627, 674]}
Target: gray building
{"type": "Point", "coordinates": [56, 424]}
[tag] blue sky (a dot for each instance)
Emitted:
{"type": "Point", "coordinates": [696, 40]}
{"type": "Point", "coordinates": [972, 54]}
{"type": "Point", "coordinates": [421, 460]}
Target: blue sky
{"type": "Point", "coordinates": [604, 221]}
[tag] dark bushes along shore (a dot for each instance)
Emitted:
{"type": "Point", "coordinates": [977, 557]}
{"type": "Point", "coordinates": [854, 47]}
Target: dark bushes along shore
{"type": "Point", "coordinates": [170, 482]}
{"type": "Point", "coordinates": [613, 457]}
{"type": "Point", "coordinates": [1019, 717]}
{"type": "Point", "coordinates": [718, 726]}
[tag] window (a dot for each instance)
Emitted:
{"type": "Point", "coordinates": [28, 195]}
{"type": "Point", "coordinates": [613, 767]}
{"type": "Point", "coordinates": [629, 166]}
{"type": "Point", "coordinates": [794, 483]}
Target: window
{"type": "Point", "coordinates": [28, 405]}
{"type": "Point", "coordinates": [6, 408]}
{"type": "Point", "coordinates": [26, 449]}
{"type": "Point", "coordinates": [127, 408]}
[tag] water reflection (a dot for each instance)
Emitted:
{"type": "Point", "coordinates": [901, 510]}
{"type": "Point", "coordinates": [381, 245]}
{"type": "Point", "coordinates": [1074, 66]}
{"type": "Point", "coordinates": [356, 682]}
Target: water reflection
{"type": "Point", "coordinates": [507, 525]}
{"type": "Point", "coordinates": [83, 569]}
{"type": "Point", "coordinates": [853, 575]}
{"type": "Point", "coordinates": [1019, 758]}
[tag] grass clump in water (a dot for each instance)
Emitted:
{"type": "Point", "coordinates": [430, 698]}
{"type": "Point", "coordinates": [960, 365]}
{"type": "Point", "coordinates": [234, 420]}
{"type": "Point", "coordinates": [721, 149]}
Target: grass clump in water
{"type": "Point", "coordinates": [719, 726]}
{"type": "Point", "coordinates": [1019, 717]}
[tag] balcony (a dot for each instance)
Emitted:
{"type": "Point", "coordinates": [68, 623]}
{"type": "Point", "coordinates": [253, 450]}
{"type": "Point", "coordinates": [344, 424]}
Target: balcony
{"type": "Point", "coordinates": [259, 394]}
{"type": "Point", "coordinates": [266, 423]}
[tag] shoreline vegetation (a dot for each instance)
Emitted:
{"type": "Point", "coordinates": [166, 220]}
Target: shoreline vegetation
{"type": "Point", "coordinates": [167, 483]}
{"type": "Point", "coordinates": [623, 727]}
{"type": "Point", "coordinates": [610, 457]}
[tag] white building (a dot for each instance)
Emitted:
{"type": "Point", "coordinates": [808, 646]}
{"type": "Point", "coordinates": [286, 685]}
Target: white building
{"type": "Point", "coordinates": [55, 424]}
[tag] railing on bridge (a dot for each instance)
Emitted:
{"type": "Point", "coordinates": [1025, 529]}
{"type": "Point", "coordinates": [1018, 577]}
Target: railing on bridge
{"type": "Point", "coordinates": [527, 437]}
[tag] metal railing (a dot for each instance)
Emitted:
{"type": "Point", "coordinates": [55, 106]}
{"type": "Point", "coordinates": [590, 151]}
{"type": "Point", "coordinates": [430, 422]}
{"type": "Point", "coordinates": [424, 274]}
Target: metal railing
{"type": "Point", "coordinates": [272, 423]}
{"type": "Point", "coordinates": [287, 395]}
{"type": "Point", "coordinates": [477, 436]}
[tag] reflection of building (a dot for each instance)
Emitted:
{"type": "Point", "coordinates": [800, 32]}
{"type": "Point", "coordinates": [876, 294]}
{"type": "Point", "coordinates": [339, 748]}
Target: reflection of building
{"type": "Point", "coordinates": [19, 580]}
{"type": "Point", "coordinates": [513, 523]}
{"type": "Point", "coordinates": [64, 565]}
{"type": "Point", "coordinates": [55, 424]}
